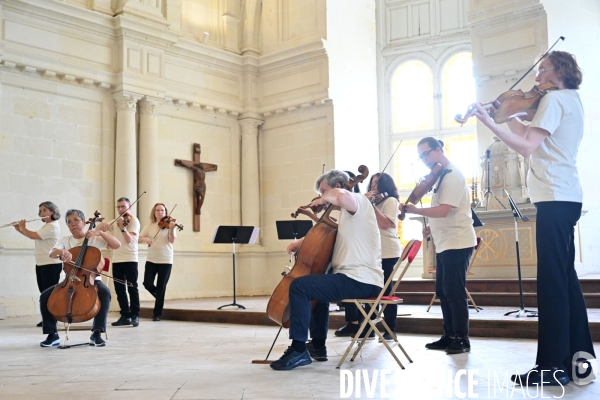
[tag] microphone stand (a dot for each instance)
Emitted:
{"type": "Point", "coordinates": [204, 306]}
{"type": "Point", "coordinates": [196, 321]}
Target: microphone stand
{"type": "Point", "coordinates": [517, 214]}
{"type": "Point", "coordinates": [488, 190]}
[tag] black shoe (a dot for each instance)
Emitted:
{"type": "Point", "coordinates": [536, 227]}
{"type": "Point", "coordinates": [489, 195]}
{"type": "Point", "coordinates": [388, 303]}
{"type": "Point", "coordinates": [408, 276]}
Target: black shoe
{"type": "Point", "coordinates": [40, 324]}
{"type": "Point", "coordinates": [51, 340]}
{"type": "Point", "coordinates": [441, 344]}
{"type": "Point", "coordinates": [347, 330]}
{"type": "Point", "coordinates": [551, 377]}
{"type": "Point", "coordinates": [156, 318]}
{"type": "Point", "coordinates": [135, 320]}
{"type": "Point", "coordinates": [387, 337]}
{"type": "Point", "coordinates": [318, 353]}
{"type": "Point", "coordinates": [96, 339]}
{"type": "Point", "coordinates": [364, 333]}
{"type": "Point", "coordinates": [123, 321]}
{"type": "Point", "coordinates": [291, 359]}
{"type": "Point", "coordinates": [458, 346]}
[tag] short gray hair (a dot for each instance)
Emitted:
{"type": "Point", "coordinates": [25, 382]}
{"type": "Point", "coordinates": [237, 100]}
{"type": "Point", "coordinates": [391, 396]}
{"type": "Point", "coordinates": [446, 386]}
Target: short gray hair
{"type": "Point", "coordinates": [51, 207]}
{"type": "Point", "coordinates": [332, 178]}
{"type": "Point", "coordinates": [71, 212]}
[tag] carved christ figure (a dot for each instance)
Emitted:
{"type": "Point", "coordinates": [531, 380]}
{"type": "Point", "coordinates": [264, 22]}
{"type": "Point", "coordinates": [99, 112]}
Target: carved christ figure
{"type": "Point", "coordinates": [199, 169]}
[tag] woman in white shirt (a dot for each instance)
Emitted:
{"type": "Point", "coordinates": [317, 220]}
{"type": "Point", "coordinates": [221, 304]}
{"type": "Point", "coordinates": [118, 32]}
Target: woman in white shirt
{"type": "Point", "coordinates": [47, 270]}
{"type": "Point", "coordinates": [160, 256]}
{"type": "Point", "coordinates": [552, 143]}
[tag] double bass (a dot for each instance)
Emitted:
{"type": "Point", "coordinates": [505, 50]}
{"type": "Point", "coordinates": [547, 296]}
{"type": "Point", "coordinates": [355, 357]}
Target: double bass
{"type": "Point", "coordinates": [313, 257]}
{"type": "Point", "coordinates": [75, 299]}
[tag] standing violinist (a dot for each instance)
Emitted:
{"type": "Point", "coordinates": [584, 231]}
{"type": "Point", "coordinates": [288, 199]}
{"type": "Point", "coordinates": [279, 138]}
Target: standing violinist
{"type": "Point", "coordinates": [552, 142]}
{"type": "Point", "coordinates": [451, 226]}
{"type": "Point", "coordinates": [159, 235]}
{"type": "Point", "coordinates": [75, 220]}
{"type": "Point", "coordinates": [356, 263]}
{"type": "Point", "coordinates": [47, 270]}
{"type": "Point", "coordinates": [126, 229]}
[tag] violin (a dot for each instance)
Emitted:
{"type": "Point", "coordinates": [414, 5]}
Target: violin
{"type": "Point", "coordinates": [313, 257]}
{"type": "Point", "coordinates": [75, 299]}
{"type": "Point", "coordinates": [511, 104]}
{"type": "Point", "coordinates": [166, 221]}
{"type": "Point", "coordinates": [423, 188]}
{"type": "Point", "coordinates": [126, 218]}
{"type": "Point", "coordinates": [378, 198]}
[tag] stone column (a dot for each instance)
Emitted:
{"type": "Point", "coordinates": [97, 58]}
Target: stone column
{"type": "Point", "coordinates": [148, 166]}
{"type": "Point", "coordinates": [250, 182]}
{"type": "Point", "coordinates": [125, 148]}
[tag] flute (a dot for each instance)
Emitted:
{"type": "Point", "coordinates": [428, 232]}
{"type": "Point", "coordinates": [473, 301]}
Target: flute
{"type": "Point", "coordinates": [17, 222]}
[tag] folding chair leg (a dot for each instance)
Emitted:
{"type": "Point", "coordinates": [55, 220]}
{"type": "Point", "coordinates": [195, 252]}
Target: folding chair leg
{"type": "Point", "coordinates": [472, 301]}
{"type": "Point", "coordinates": [431, 303]}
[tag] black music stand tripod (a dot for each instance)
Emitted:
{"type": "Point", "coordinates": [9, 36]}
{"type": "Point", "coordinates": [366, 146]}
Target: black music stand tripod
{"type": "Point", "coordinates": [517, 214]}
{"type": "Point", "coordinates": [233, 235]}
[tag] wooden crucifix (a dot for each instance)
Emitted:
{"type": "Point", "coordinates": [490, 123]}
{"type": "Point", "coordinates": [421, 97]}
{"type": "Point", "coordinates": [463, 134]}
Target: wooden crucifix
{"type": "Point", "coordinates": [199, 169]}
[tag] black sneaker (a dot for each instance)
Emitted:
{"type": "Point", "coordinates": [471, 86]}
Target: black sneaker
{"type": "Point", "coordinates": [291, 359]}
{"type": "Point", "coordinates": [123, 321]}
{"type": "Point", "coordinates": [156, 318]}
{"type": "Point", "coordinates": [40, 324]}
{"type": "Point", "coordinates": [364, 333]}
{"type": "Point", "coordinates": [347, 330]}
{"type": "Point", "coordinates": [441, 344]}
{"type": "Point", "coordinates": [135, 320]}
{"type": "Point", "coordinates": [51, 340]}
{"type": "Point", "coordinates": [387, 337]}
{"type": "Point", "coordinates": [535, 377]}
{"type": "Point", "coordinates": [96, 339]}
{"type": "Point", "coordinates": [458, 346]}
{"type": "Point", "coordinates": [318, 353]}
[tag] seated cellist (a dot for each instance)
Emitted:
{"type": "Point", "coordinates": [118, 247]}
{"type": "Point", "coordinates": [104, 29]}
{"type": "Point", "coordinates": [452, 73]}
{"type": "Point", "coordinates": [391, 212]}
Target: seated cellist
{"type": "Point", "coordinates": [356, 273]}
{"type": "Point", "coordinates": [75, 220]}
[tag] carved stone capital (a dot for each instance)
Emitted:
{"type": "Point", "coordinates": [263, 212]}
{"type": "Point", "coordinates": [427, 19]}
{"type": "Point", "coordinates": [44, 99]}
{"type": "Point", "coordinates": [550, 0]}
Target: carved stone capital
{"type": "Point", "coordinates": [250, 126]}
{"type": "Point", "coordinates": [125, 103]}
{"type": "Point", "coordinates": [149, 107]}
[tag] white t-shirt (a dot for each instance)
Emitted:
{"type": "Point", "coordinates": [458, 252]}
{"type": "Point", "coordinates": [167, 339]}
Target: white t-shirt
{"type": "Point", "coordinates": [49, 234]}
{"type": "Point", "coordinates": [68, 242]}
{"type": "Point", "coordinates": [128, 252]}
{"type": "Point", "coordinates": [357, 249]}
{"type": "Point", "coordinates": [455, 231]}
{"type": "Point", "coordinates": [390, 244]}
{"type": "Point", "coordinates": [161, 250]}
{"type": "Point", "coordinates": [553, 172]}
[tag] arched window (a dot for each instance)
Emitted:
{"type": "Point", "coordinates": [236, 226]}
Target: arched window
{"type": "Point", "coordinates": [424, 99]}
{"type": "Point", "coordinates": [412, 97]}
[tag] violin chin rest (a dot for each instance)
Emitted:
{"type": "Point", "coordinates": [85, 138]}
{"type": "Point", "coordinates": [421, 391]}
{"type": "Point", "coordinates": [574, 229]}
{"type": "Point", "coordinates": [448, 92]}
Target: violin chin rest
{"type": "Point", "coordinates": [519, 114]}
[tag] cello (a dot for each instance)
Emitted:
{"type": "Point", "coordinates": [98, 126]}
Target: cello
{"type": "Point", "coordinates": [75, 299]}
{"type": "Point", "coordinates": [313, 257]}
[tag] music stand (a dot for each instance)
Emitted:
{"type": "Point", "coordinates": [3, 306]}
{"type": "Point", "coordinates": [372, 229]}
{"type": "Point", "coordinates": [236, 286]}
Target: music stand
{"type": "Point", "coordinates": [292, 229]}
{"type": "Point", "coordinates": [233, 235]}
{"type": "Point", "coordinates": [488, 190]}
{"type": "Point", "coordinates": [517, 214]}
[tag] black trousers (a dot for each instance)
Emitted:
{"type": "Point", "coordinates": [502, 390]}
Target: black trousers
{"type": "Point", "coordinates": [450, 288]}
{"type": "Point", "coordinates": [390, 314]}
{"type": "Point", "coordinates": [49, 322]}
{"type": "Point", "coordinates": [563, 328]}
{"type": "Point", "coordinates": [47, 275]}
{"type": "Point", "coordinates": [127, 271]}
{"type": "Point", "coordinates": [162, 273]}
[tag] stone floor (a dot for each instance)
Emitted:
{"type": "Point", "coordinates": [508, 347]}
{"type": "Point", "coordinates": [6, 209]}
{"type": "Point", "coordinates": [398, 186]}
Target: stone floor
{"type": "Point", "coordinates": [187, 360]}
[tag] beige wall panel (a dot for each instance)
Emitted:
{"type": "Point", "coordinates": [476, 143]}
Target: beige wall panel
{"type": "Point", "coordinates": [228, 85]}
{"type": "Point", "coordinates": [450, 13]}
{"type": "Point", "coordinates": [291, 82]}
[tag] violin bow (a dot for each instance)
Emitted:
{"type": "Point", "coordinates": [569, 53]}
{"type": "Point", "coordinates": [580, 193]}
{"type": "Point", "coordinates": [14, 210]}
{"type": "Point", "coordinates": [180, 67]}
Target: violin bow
{"type": "Point", "coordinates": [128, 208]}
{"type": "Point", "coordinates": [393, 154]}
{"type": "Point", "coordinates": [420, 201]}
{"type": "Point", "coordinates": [537, 62]}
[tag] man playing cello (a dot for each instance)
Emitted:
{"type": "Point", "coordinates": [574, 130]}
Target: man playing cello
{"type": "Point", "coordinates": [357, 272]}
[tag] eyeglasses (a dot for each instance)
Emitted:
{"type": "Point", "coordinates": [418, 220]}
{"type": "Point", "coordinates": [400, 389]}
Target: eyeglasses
{"type": "Point", "coordinates": [74, 221]}
{"type": "Point", "coordinates": [425, 154]}
{"type": "Point", "coordinates": [540, 71]}
{"type": "Point", "coordinates": [121, 207]}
